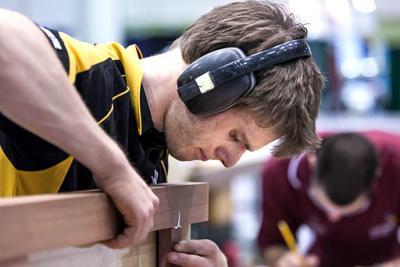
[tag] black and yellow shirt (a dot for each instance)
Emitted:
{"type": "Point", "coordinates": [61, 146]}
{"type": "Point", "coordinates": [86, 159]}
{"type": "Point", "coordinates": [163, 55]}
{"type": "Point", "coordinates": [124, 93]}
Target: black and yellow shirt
{"type": "Point", "coordinates": [108, 78]}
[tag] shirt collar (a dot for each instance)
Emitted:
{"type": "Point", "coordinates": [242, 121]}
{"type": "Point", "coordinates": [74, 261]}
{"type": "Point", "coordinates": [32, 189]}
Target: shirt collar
{"type": "Point", "coordinates": [148, 130]}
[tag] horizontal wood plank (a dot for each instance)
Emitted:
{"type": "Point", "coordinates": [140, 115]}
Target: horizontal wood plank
{"type": "Point", "coordinates": [35, 223]}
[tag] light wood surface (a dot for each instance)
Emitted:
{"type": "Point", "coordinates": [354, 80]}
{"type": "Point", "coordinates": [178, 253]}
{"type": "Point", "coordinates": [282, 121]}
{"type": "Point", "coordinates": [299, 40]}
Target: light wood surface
{"type": "Point", "coordinates": [96, 255]}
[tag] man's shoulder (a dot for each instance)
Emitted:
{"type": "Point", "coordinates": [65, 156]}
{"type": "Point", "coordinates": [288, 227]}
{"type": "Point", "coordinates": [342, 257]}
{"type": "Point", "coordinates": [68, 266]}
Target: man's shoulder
{"type": "Point", "coordinates": [273, 162]}
{"type": "Point", "coordinates": [286, 173]}
{"type": "Point", "coordinates": [387, 144]}
{"type": "Point", "coordinates": [276, 166]}
{"type": "Point", "coordinates": [378, 137]}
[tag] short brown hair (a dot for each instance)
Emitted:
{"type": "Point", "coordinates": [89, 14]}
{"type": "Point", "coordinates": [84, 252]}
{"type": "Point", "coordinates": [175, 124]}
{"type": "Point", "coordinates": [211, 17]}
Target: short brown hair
{"type": "Point", "coordinates": [287, 96]}
{"type": "Point", "coordinates": [346, 167]}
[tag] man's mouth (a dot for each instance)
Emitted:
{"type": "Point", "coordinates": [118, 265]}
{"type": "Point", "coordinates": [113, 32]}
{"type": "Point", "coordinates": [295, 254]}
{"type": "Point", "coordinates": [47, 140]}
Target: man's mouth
{"type": "Point", "coordinates": [203, 156]}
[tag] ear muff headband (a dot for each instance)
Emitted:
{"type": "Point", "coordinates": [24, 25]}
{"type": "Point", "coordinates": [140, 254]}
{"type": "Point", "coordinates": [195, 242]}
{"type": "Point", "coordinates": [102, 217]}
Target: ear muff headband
{"type": "Point", "coordinates": [207, 85]}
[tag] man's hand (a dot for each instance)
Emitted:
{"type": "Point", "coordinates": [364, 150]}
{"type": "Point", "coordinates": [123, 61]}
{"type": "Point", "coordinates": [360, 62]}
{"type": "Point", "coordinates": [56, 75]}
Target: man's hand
{"type": "Point", "coordinates": [292, 259]}
{"type": "Point", "coordinates": [197, 253]}
{"type": "Point", "coordinates": [135, 201]}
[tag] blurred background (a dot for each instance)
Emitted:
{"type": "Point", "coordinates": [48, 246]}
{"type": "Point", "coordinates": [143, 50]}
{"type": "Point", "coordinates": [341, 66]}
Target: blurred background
{"type": "Point", "coordinates": [356, 43]}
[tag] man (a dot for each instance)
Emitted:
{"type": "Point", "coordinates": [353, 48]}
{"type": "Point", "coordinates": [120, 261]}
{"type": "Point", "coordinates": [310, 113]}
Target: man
{"type": "Point", "coordinates": [349, 197]}
{"type": "Point", "coordinates": [50, 135]}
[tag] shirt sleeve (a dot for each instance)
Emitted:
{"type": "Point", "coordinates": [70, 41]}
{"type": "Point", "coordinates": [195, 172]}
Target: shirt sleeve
{"type": "Point", "coordinates": [276, 199]}
{"type": "Point", "coordinates": [57, 43]}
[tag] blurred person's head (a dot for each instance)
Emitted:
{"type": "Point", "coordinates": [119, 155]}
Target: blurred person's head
{"type": "Point", "coordinates": [345, 170]}
{"type": "Point", "coordinates": [283, 105]}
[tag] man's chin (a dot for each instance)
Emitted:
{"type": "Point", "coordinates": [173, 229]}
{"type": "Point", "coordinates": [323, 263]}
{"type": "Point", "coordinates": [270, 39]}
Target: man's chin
{"type": "Point", "coordinates": [180, 157]}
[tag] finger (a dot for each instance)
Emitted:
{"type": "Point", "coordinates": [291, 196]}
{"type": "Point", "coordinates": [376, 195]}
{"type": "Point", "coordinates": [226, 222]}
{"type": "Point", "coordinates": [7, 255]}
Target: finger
{"type": "Point", "coordinates": [146, 223]}
{"type": "Point", "coordinates": [139, 225]}
{"type": "Point", "coordinates": [123, 240]}
{"type": "Point", "coordinates": [145, 232]}
{"type": "Point", "coordinates": [155, 201]}
{"type": "Point", "coordinates": [118, 242]}
{"type": "Point", "coordinates": [187, 260]}
{"type": "Point", "coordinates": [201, 247]}
{"type": "Point", "coordinates": [142, 232]}
{"type": "Point", "coordinates": [311, 260]}
{"type": "Point", "coordinates": [285, 262]}
{"type": "Point", "coordinates": [290, 260]}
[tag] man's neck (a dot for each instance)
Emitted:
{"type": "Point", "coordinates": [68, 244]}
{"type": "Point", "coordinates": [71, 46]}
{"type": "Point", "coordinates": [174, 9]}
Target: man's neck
{"type": "Point", "coordinates": [160, 74]}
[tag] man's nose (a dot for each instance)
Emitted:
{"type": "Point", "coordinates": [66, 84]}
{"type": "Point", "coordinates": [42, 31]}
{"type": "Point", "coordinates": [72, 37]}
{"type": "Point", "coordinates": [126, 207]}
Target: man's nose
{"type": "Point", "coordinates": [233, 156]}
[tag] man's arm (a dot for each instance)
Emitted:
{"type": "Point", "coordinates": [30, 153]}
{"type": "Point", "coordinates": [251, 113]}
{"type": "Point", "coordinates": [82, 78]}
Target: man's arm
{"type": "Point", "coordinates": [36, 94]}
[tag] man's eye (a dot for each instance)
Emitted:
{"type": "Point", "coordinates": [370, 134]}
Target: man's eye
{"type": "Point", "coordinates": [234, 138]}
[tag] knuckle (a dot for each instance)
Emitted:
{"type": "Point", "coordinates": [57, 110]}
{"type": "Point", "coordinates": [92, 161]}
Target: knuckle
{"type": "Point", "coordinates": [150, 210]}
{"type": "Point", "coordinates": [148, 214]}
{"type": "Point", "coordinates": [210, 244]}
{"type": "Point", "coordinates": [156, 202]}
{"type": "Point", "coordinates": [143, 212]}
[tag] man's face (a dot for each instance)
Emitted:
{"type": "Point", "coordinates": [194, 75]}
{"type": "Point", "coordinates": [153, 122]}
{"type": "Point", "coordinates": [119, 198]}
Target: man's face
{"type": "Point", "coordinates": [224, 136]}
{"type": "Point", "coordinates": [333, 211]}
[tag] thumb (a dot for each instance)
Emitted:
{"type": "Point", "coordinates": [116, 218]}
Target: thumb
{"type": "Point", "coordinates": [312, 260]}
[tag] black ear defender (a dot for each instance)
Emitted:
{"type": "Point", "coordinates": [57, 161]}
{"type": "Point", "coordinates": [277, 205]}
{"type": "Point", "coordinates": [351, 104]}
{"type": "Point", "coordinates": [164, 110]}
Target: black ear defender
{"type": "Point", "coordinates": [217, 80]}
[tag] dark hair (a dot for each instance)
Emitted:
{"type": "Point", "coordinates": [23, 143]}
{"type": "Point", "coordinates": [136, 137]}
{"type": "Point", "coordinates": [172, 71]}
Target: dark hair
{"type": "Point", "coordinates": [346, 167]}
{"type": "Point", "coordinates": [286, 98]}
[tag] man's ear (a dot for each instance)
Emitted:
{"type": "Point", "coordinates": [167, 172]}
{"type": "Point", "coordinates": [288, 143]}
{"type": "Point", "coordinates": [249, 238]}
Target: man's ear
{"type": "Point", "coordinates": [312, 159]}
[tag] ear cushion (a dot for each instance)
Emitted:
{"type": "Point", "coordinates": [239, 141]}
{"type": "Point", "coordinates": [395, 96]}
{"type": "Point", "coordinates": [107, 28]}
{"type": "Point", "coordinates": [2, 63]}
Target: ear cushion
{"type": "Point", "coordinates": [221, 97]}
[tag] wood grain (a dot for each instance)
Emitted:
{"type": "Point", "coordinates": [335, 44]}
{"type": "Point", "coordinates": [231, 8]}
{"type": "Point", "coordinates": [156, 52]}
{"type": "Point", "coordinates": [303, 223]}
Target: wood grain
{"type": "Point", "coordinates": [36, 223]}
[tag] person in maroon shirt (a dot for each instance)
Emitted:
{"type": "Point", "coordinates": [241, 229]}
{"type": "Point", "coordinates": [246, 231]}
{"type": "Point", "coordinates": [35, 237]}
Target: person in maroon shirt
{"type": "Point", "coordinates": [348, 193]}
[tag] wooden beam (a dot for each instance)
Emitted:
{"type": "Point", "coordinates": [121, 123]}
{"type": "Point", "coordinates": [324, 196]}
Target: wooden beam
{"type": "Point", "coordinates": [35, 223]}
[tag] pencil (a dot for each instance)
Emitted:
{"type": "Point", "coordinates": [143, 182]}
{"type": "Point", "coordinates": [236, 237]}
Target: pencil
{"type": "Point", "coordinates": [287, 236]}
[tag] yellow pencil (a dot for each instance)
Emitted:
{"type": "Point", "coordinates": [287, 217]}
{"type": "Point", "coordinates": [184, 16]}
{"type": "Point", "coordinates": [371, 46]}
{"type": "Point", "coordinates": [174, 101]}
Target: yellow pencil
{"type": "Point", "coordinates": [287, 236]}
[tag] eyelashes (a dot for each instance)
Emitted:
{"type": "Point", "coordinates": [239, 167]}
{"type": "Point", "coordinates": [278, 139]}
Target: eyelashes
{"type": "Point", "coordinates": [233, 136]}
